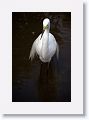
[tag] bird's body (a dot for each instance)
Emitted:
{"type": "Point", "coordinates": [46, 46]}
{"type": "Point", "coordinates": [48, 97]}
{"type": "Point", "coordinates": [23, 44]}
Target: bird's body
{"type": "Point", "coordinates": [45, 45]}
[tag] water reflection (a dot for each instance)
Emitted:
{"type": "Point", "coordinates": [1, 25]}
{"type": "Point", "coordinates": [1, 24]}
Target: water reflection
{"type": "Point", "coordinates": [47, 83]}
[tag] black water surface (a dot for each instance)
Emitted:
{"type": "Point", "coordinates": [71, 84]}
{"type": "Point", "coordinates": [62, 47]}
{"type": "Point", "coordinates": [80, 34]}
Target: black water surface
{"type": "Point", "coordinates": [36, 81]}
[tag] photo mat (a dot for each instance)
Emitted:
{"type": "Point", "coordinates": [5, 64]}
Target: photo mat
{"type": "Point", "coordinates": [11, 102]}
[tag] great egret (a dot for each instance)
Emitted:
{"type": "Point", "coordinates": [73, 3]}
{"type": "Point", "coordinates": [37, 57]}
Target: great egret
{"type": "Point", "coordinates": [45, 45]}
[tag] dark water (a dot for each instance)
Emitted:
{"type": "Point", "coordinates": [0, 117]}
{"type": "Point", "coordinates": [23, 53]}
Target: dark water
{"type": "Point", "coordinates": [36, 81]}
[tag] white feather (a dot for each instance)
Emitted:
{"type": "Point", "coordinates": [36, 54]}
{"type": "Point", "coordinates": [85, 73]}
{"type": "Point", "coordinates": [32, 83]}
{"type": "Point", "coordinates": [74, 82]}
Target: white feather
{"type": "Point", "coordinates": [33, 51]}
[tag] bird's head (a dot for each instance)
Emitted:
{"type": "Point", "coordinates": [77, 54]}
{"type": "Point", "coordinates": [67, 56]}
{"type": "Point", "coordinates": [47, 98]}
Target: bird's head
{"type": "Point", "coordinates": [46, 24]}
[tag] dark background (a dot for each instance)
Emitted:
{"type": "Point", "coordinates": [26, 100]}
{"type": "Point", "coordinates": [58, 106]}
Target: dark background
{"type": "Point", "coordinates": [34, 81]}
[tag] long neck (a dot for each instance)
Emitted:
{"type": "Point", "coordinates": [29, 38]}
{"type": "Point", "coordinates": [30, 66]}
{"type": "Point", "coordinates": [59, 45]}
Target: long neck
{"type": "Point", "coordinates": [45, 43]}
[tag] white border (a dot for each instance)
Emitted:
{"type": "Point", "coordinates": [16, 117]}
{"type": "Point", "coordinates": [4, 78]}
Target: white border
{"type": "Point", "coordinates": [76, 104]}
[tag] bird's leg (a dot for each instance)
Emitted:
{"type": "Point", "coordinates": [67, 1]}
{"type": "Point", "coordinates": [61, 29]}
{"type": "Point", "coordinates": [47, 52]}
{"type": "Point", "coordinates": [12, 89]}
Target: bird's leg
{"type": "Point", "coordinates": [48, 64]}
{"type": "Point", "coordinates": [48, 68]}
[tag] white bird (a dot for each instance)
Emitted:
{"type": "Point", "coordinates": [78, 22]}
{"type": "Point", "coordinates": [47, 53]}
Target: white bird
{"type": "Point", "coordinates": [45, 45]}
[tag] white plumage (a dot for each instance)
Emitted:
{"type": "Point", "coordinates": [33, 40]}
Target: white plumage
{"type": "Point", "coordinates": [45, 45]}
